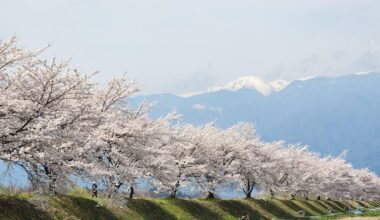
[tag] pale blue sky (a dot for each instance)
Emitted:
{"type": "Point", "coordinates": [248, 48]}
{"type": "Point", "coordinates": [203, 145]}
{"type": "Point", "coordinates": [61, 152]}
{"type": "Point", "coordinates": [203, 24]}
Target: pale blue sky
{"type": "Point", "coordinates": [183, 46]}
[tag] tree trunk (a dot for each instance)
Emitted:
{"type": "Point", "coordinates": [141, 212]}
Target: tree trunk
{"type": "Point", "coordinates": [306, 195]}
{"type": "Point", "coordinates": [249, 188]}
{"type": "Point", "coordinates": [271, 193]}
{"type": "Point", "coordinates": [210, 195]}
{"type": "Point", "coordinates": [34, 183]}
{"type": "Point", "coordinates": [173, 193]}
{"type": "Point", "coordinates": [52, 185]}
{"type": "Point", "coordinates": [114, 188]}
{"type": "Point", "coordinates": [293, 196]}
{"type": "Point", "coordinates": [52, 179]}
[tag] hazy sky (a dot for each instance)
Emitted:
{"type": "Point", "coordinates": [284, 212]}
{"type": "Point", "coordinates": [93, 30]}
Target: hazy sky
{"type": "Point", "coordinates": [181, 46]}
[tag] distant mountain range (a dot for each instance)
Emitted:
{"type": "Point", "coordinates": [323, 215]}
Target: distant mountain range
{"type": "Point", "coordinates": [328, 114]}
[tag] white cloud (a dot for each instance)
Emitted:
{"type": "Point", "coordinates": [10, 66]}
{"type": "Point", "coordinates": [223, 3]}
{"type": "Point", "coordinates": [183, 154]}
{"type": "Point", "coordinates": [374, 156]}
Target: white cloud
{"type": "Point", "coordinates": [207, 108]}
{"type": "Point", "coordinates": [170, 46]}
{"type": "Point", "coordinates": [199, 107]}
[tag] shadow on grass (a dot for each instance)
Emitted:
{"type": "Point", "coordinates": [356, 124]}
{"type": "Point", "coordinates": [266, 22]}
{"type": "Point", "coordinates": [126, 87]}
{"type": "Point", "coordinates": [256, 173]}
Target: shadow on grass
{"type": "Point", "coordinates": [83, 208]}
{"type": "Point", "coordinates": [297, 208]}
{"type": "Point", "coordinates": [342, 205]}
{"type": "Point", "coordinates": [272, 208]}
{"type": "Point", "coordinates": [363, 204]}
{"type": "Point", "coordinates": [196, 209]}
{"type": "Point", "coordinates": [375, 204]}
{"type": "Point", "coordinates": [326, 207]}
{"type": "Point", "coordinates": [238, 209]}
{"type": "Point", "coordinates": [13, 208]}
{"type": "Point", "coordinates": [335, 206]}
{"type": "Point", "coordinates": [149, 210]}
{"type": "Point", "coordinates": [314, 208]}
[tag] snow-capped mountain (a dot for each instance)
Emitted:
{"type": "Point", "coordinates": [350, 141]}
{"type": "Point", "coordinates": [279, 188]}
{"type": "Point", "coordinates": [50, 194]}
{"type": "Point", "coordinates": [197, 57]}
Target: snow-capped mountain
{"type": "Point", "coordinates": [252, 82]}
{"type": "Point", "coordinates": [248, 82]}
{"type": "Point", "coordinates": [328, 114]}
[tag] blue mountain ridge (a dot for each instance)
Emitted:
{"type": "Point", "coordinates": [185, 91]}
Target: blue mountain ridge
{"type": "Point", "coordinates": [328, 114]}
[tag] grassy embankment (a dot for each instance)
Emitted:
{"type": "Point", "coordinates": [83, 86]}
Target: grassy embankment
{"type": "Point", "coordinates": [79, 205]}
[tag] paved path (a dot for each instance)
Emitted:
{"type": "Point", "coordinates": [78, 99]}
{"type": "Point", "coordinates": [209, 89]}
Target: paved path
{"type": "Point", "coordinates": [361, 218]}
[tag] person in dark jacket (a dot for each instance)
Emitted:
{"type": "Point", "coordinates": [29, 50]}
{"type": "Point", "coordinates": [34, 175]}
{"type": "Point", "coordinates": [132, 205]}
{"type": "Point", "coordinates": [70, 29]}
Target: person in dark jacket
{"type": "Point", "coordinates": [131, 192]}
{"type": "Point", "coordinates": [94, 189]}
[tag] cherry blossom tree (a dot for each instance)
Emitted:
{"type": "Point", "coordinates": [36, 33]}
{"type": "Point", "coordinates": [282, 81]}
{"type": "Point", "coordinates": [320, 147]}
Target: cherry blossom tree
{"type": "Point", "coordinates": [55, 123]}
{"type": "Point", "coordinates": [253, 161]}
{"type": "Point", "coordinates": [43, 110]}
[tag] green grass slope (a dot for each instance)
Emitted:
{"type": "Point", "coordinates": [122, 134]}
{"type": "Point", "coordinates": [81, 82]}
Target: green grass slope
{"type": "Point", "coordinates": [84, 207]}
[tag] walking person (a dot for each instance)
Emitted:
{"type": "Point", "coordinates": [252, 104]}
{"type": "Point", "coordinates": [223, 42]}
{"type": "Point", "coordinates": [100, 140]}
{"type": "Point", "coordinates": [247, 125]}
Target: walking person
{"type": "Point", "coordinates": [94, 189]}
{"type": "Point", "coordinates": [131, 192]}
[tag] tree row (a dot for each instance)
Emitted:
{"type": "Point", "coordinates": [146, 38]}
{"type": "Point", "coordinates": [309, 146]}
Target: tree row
{"type": "Point", "coordinates": [56, 123]}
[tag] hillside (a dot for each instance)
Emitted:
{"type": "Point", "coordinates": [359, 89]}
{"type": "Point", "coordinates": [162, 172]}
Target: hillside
{"type": "Point", "coordinates": [328, 114]}
{"type": "Point", "coordinates": [84, 207]}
